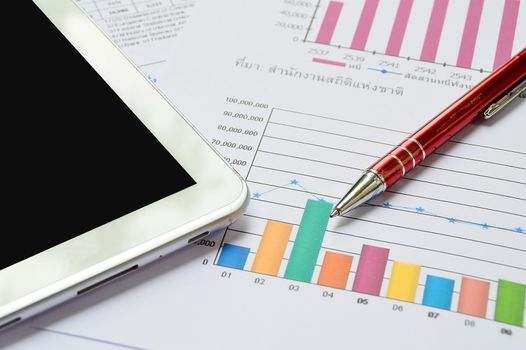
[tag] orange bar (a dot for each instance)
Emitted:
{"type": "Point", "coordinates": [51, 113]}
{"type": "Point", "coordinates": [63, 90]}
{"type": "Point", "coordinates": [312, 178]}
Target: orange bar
{"type": "Point", "coordinates": [335, 270]}
{"type": "Point", "coordinates": [272, 247]}
{"type": "Point", "coordinates": [473, 298]}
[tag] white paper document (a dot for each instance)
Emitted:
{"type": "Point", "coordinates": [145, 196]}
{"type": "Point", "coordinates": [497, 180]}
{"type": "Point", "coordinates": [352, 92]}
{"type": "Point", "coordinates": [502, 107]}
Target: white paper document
{"type": "Point", "coordinates": [300, 96]}
{"type": "Point", "coordinates": [146, 30]}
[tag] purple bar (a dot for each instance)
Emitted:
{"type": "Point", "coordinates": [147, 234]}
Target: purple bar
{"type": "Point", "coordinates": [507, 32]}
{"type": "Point", "coordinates": [399, 27]}
{"type": "Point", "coordinates": [329, 22]}
{"type": "Point", "coordinates": [434, 30]}
{"type": "Point", "coordinates": [371, 269]}
{"type": "Point", "coordinates": [331, 62]}
{"type": "Point", "coordinates": [364, 24]}
{"type": "Point", "coordinates": [469, 37]}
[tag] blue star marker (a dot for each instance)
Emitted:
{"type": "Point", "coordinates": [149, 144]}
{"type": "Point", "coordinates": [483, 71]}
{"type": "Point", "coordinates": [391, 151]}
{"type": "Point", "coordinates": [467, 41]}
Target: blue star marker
{"type": "Point", "coordinates": [294, 182]}
{"type": "Point", "coordinates": [386, 205]}
{"type": "Point", "coordinates": [256, 195]}
{"type": "Point", "coordinates": [485, 226]}
{"type": "Point", "coordinates": [420, 210]}
{"type": "Point", "coordinates": [519, 230]}
{"type": "Point", "coordinates": [452, 221]}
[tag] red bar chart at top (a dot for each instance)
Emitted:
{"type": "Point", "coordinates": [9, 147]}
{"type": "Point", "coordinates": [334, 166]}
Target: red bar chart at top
{"type": "Point", "coordinates": [476, 34]}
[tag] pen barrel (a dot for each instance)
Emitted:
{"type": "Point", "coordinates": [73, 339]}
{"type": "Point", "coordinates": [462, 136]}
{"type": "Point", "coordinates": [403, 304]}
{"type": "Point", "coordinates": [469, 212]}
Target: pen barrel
{"type": "Point", "coordinates": [404, 157]}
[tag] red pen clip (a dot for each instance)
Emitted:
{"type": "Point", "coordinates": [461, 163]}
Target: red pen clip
{"type": "Point", "coordinates": [517, 91]}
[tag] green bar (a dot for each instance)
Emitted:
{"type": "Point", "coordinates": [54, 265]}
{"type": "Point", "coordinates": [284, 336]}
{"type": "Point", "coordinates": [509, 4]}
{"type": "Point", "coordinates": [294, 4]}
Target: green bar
{"type": "Point", "coordinates": [510, 302]}
{"type": "Point", "coordinates": [308, 241]}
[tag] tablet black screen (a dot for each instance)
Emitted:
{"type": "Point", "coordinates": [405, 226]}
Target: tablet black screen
{"type": "Point", "coordinates": [75, 156]}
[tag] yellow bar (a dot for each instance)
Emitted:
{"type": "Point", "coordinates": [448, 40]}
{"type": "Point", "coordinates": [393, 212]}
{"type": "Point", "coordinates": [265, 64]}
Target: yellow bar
{"type": "Point", "coordinates": [403, 281]}
{"type": "Point", "coordinates": [272, 247]}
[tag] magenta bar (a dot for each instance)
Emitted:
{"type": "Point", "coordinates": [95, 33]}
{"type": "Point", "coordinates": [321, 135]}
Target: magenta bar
{"type": "Point", "coordinates": [507, 32]}
{"type": "Point", "coordinates": [329, 22]}
{"type": "Point", "coordinates": [371, 269]}
{"type": "Point", "coordinates": [331, 62]}
{"type": "Point", "coordinates": [399, 27]}
{"type": "Point", "coordinates": [469, 37]}
{"type": "Point", "coordinates": [364, 24]}
{"type": "Point", "coordinates": [434, 30]}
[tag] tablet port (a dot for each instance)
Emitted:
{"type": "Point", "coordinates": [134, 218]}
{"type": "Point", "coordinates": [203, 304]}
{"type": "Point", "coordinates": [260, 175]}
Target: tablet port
{"type": "Point", "coordinates": [107, 280]}
{"type": "Point", "coordinates": [9, 323]}
{"type": "Point", "coordinates": [198, 237]}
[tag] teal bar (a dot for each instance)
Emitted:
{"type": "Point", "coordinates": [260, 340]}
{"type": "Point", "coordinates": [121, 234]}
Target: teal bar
{"type": "Point", "coordinates": [307, 246]}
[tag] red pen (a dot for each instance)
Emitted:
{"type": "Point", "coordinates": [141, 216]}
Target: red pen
{"type": "Point", "coordinates": [485, 99]}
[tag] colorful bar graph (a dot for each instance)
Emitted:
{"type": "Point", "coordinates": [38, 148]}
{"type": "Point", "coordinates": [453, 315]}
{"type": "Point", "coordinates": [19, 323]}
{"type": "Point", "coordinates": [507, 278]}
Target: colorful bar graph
{"type": "Point", "coordinates": [506, 32]}
{"type": "Point", "coordinates": [335, 270]}
{"type": "Point", "coordinates": [233, 256]}
{"type": "Point", "coordinates": [473, 299]}
{"type": "Point", "coordinates": [438, 292]}
{"type": "Point", "coordinates": [365, 24]}
{"type": "Point", "coordinates": [308, 241]}
{"type": "Point", "coordinates": [399, 27]}
{"type": "Point", "coordinates": [371, 269]}
{"type": "Point", "coordinates": [272, 247]}
{"type": "Point", "coordinates": [403, 281]}
{"type": "Point", "coordinates": [434, 30]}
{"type": "Point", "coordinates": [328, 25]}
{"type": "Point", "coordinates": [510, 302]}
{"type": "Point", "coordinates": [469, 36]}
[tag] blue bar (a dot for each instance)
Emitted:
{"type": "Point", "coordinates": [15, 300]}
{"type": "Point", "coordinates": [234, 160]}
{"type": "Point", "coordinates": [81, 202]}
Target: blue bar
{"type": "Point", "coordinates": [233, 256]}
{"type": "Point", "coordinates": [438, 292]}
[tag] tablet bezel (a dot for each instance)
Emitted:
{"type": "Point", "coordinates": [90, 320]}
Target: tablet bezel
{"type": "Point", "coordinates": [218, 197]}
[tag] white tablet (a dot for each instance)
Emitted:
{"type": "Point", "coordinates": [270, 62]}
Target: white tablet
{"type": "Point", "coordinates": [102, 174]}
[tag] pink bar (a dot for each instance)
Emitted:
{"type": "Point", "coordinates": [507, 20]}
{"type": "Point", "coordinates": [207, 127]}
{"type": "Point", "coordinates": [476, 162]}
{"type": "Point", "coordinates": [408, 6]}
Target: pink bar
{"type": "Point", "coordinates": [507, 32]}
{"type": "Point", "coordinates": [399, 27]}
{"type": "Point", "coordinates": [469, 37]}
{"type": "Point", "coordinates": [434, 30]}
{"type": "Point", "coordinates": [371, 269]}
{"type": "Point", "coordinates": [329, 22]}
{"type": "Point", "coordinates": [324, 61]}
{"type": "Point", "coordinates": [364, 24]}
{"type": "Point", "coordinates": [473, 298]}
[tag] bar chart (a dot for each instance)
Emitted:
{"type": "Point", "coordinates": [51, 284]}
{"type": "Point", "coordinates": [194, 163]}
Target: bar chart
{"type": "Point", "coordinates": [474, 34]}
{"type": "Point", "coordinates": [336, 267]}
{"type": "Point", "coordinates": [296, 241]}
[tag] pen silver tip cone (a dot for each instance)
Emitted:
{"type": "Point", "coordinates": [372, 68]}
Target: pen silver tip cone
{"type": "Point", "coordinates": [335, 212]}
{"type": "Point", "coordinates": [368, 186]}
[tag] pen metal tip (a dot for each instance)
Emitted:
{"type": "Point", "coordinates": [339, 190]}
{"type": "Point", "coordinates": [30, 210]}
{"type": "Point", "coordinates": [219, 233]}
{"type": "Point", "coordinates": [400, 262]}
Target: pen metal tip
{"type": "Point", "coordinates": [335, 212]}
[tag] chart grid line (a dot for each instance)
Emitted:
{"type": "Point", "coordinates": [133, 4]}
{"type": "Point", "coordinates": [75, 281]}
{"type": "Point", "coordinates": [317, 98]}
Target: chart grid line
{"type": "Point", "coordinates": [400, 192]}
{"type": "Point", "coordinates": [415, 180]}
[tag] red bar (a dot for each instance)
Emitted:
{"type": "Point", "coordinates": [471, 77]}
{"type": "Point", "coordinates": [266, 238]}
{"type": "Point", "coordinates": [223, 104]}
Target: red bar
{"type": "Point", "coordinates": [399, 27]}
{"type": "Point", "coordinates": [507, 32]}
{"type": "Point", "coordinates": [364, 24]}
{"type": "Point", "coordinates": [328, 25]}
{"type": "Point", "coordinates": [434, 30]}
{"type": "Point", "coordinates": [469, 37]}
